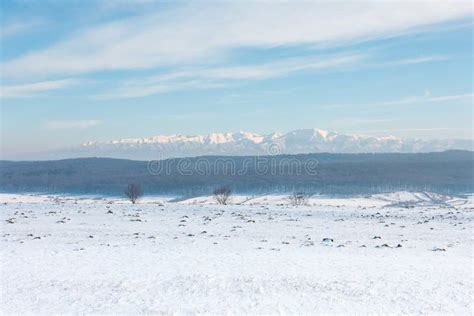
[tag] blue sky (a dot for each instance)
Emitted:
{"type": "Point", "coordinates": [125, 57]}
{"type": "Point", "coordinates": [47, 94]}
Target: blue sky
{"type": "Point", "coordinates": [76, 71]}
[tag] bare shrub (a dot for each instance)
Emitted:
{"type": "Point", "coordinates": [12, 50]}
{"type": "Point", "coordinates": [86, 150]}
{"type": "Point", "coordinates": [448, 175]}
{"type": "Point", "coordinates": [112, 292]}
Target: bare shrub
{"type": "Point", "coordinates": [133, 192]}
{"type": "Point", "coordinates": [298, 198]}
{"type": "Point", "coordinates": [222, 195]}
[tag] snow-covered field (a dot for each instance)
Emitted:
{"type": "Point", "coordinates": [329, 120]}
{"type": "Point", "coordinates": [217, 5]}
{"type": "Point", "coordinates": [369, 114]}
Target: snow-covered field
{"type": "Point", "coordinates": [393, 253]}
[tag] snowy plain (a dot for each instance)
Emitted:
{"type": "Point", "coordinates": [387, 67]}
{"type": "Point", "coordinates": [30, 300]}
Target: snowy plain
{"type": "Point", "coordinates": [388, 253]}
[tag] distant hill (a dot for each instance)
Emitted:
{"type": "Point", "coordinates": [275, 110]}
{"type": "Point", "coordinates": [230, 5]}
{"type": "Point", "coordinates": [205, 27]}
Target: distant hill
{"type": "Point", "coordinates": [444, 172]}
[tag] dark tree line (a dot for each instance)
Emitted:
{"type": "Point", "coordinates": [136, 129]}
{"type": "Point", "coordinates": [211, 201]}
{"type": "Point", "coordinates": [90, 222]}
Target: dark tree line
{"type": "Point", "coordinates": [445, 172]}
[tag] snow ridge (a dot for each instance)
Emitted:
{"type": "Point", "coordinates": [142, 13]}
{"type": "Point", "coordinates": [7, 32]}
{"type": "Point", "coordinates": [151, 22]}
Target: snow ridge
{"type": "Point", "coordinates": [247, 143]}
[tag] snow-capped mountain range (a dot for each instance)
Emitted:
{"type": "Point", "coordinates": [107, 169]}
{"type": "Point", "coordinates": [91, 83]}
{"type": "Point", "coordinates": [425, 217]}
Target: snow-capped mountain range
{"type": "Point", "coordinates": [244, 143]}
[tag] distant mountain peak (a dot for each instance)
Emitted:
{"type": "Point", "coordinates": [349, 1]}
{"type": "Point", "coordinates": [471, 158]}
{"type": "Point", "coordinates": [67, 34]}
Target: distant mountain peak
{"type": "Point", "coordinates": [247, 143]}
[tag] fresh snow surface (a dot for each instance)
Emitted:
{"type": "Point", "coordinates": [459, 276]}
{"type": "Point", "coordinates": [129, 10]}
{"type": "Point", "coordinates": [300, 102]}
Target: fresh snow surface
{"type": "Point", "coordinates": [258, 255]}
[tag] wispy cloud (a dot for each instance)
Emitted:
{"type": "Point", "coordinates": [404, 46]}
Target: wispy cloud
{"type": "Point", "coordinates": [218, 77]}
{"type": "Point", "coordinates": [417, 60]}
{"type": "Point", "coordinates": [13, 28]}
{"type": "Point", "coordinates": [71, 124]}
{"type": "Point", "coordinates": [193, 33]}
{"type": "Point", "coordinates": [34, 89]}
{"type": "Point", "coordinates": [427, 98]}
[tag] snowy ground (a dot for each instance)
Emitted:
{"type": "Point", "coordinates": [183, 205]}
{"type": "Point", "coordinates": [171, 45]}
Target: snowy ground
{"type": "Point", "coordinates": [396, 253]}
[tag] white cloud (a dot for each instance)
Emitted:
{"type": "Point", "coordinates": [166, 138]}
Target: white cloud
{"type": "Point", "coordinates": [33, 89]}
{"type": "Point", "coordinates": [198, 33]}
{"type": "Point", "coordinates": [417, 60]}
{"type": "Point", "coordinates": [216, 77]}
{"type": "Point", "coordinates": [12, 28]}
{"type": "Point", "coordinates": [427, 98]}
{"type": "Point", "coordinates": [71, 124]}
{"type": "Point", "coordinates": [275, 69]}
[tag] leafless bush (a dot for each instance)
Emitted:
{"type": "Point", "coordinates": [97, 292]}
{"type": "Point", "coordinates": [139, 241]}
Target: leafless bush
{"type": "Point", "coordinates": [133, 192]}
{"type": "Point", "coordinates": [298, 198]}
{"type": "Point", "coordinates": [222, 195]}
